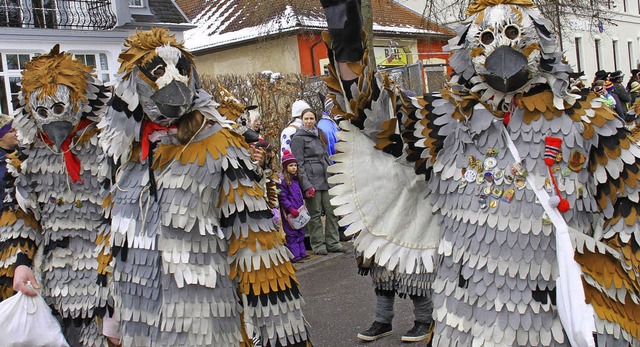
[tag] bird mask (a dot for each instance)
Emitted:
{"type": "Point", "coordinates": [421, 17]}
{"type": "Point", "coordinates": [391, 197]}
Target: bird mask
{"type": "Point", "coordinates": [506, 47]}
{"type": "Point", "coordinates": [162, 71]}
{"type": "Point", "coordinates": [56, 91]}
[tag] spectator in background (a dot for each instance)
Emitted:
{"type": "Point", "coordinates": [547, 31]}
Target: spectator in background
{"type": "Point", "coordinates": [293, 126]}
{"type": "Point", "coordinates": [632, 78]}
{"type": "Point", "coordinates": [634, 91]}
{"type": "Point", "coordinates": [609, 87]}
{"type": "Point", "coordinates": [309, 147]}
{"type": "Point", "coordinates": [255, 120]}
{"type": "Point", "coordinates": [291, 199]}
{"type": "Point", "coordinates": [600, 75]}
{"type": "Point", "coordinates": [8, 143]}
{"type": "Point", "coordinates": [633, 86]}
{"type": "Point", "coordinates": [329, 126]}
{"type": "Point", "coordinates": [603, 94]}
{"type": "Point", "coordinates": [620, 91]}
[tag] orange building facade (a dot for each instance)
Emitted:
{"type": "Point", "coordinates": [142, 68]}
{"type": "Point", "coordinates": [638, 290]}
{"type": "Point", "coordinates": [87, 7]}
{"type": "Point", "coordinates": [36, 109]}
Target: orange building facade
{"type": "Point", "coordinates": [313, 55]}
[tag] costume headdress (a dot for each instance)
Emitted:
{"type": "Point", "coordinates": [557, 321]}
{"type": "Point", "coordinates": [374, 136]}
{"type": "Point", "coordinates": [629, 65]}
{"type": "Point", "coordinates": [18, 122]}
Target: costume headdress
{"type": "Point", "coordinates": [47, 71]}
{"type": "Point", "coordinates": [480, 5]}
{"type": "Point", "coordinates": [142, 48]}
{"type": "Point", "coordinates": [504, 49]}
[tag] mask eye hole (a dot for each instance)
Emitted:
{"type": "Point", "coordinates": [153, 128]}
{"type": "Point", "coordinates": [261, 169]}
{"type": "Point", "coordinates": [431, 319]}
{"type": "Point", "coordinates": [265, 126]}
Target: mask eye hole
{"type": "Point", "coordinates": [511, 32]}
{"type": "Point", "coordinates": [58, 108]}
{"type": "Point", "coordinates": [42, 112]}
{"type": "Point", "coordinates": [158, 71]}
{"type": "Point", "coordinates": [183, 67]}
{"type": "Point", "coordinates": [486, 37]}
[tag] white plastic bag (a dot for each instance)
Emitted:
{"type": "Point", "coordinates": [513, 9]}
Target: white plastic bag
{"type": "Point", "coordinates": [26, 321]}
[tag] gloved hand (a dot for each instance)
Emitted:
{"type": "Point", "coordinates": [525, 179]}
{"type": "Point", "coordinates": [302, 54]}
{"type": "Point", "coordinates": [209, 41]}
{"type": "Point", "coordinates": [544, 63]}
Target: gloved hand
{"type": "Point", "coordinates": [310, 192]}
{"type": "Point", "coordinates": [21, 276]}
{"type": "Point", "coordinates": [276, 215]}
{"type": "Point", "coordinates": [294, 212]}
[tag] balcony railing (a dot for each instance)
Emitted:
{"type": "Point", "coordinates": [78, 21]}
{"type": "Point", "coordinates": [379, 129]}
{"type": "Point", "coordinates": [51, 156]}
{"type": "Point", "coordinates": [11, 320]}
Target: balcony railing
{"type": "Point", "coordinates": [57, 14]}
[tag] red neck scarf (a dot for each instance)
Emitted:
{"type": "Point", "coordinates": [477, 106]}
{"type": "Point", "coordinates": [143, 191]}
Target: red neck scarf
{"type": "Point", "coordinates": [148, 127]}
{"type": "Point", "coordinates": [71, 160]}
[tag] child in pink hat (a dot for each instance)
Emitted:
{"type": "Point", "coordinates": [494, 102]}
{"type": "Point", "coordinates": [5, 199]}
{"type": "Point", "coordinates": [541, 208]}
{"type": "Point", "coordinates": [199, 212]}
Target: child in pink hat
{"type": "Point", "coordinates": [291, 199]}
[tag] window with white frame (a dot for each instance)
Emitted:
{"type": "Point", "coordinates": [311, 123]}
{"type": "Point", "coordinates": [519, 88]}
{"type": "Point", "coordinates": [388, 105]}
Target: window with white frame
{"type": "Point", "coordinates": [578, 44]}
{"type": "Point", "coordinates": [630, 52]}
{"type": "Point", "coordinates": [99, 63]}
{"type": "Point", "coordinates": [136, 3]}
{"type": "Point", "coordinates": [11, 66]}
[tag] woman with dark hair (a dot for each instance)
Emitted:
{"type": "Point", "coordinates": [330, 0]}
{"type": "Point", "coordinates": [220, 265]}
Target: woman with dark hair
{"type": "Point", "coordinates": [309, 146]}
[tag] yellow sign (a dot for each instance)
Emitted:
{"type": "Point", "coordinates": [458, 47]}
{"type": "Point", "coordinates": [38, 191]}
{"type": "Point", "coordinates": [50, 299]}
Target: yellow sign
{"type": "Point", "coordinates": [391, 56]}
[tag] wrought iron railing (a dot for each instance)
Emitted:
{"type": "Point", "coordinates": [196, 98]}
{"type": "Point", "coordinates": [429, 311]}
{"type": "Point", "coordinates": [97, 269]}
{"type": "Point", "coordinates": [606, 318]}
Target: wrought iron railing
{"type": "Point", "coordinates": [57, 14]}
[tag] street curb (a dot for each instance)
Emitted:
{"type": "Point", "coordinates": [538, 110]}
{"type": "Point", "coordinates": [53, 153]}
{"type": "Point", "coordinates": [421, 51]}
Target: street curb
{"type": "Point", "coordinates": [321, 259]}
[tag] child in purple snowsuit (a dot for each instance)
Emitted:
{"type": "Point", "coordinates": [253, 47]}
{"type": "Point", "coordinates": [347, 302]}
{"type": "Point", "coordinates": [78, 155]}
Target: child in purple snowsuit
{"type": "Point", "coordinates": [291, 200]}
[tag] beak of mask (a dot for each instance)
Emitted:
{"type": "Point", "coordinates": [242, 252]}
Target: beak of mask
{"type": "Point", "coordinates": [57, 131]}
{"type": "Point", "coordinates": [174, 99]}
{"type": "Point", "coordinates": [507, 70]}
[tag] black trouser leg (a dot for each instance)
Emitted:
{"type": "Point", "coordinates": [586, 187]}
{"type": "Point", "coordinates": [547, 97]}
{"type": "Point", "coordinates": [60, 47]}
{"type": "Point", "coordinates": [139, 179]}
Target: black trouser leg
{"type": "Point", "coordinates": [345, 26]}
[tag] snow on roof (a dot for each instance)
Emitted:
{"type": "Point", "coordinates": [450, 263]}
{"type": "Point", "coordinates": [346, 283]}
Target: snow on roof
{"type": "Point", "coordinates": [225, 22]}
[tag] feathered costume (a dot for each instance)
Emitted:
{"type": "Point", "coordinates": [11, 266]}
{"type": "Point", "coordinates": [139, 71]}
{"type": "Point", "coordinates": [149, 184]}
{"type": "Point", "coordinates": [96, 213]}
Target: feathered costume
{"type": "Point", "coordinates": [54, 219]}
{"type": "Point", "coordinates": [489, 243]}
{"type": "Point", "coordinates": [197, 258]}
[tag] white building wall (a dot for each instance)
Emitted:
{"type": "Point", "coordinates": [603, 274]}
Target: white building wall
{"type": "Point", "coordinates": [596, 46]}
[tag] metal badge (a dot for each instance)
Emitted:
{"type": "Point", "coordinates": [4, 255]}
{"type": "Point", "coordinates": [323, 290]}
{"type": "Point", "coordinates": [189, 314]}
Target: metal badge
{"type": "Point", "coordinates": [498, 177]}
{"type": "Point", "coordinates": [490, 163]}
{"type": "Point", "coordinates": [508, 195]}
{"type": "Point", "coordinates": [483, 202]}
{"type": "Point", "coordinates": [520, 182]}
{"type": "Point", "coordinates": [508, 179]}
{"type": "Point", "coordinates": [488, 178]}
{"type": "Point", "coordinates": [577, 161]}
{"type": "Point", "coordinates": [470, 176]}
{"type": "Point", "coordinates": [545, 219]}
{"type": "Point", "coordinates": [517, 169]}
{"type": "Point", "coordinates": [547, 185]}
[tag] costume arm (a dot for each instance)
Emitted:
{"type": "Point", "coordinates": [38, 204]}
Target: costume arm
{"type": "Point", "coordinates": [272, 190]}
{"type": "Point", "coordinates": [20, 232]}
{"type": "Point", "coordinates": [611, 262]}
{"type": "Point", "coordinates": [258, 256]}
